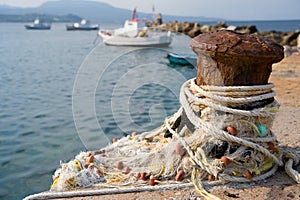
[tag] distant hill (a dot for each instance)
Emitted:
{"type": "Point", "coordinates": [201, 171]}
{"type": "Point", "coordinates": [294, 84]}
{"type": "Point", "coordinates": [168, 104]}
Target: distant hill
{"type": "Point", "coordinates": [43, 17]}
{"type": "Point", "coordinates": [97, 12]}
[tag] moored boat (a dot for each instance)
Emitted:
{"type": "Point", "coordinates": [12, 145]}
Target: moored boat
{"type": "Point", "coordinates": [38, 25]}
{"type": "Point", "coordinates": [182, 59]}
{"type": "Point", "coordinates": [84, 25]}
{"type": "Point", "coordinates": [135, 33]}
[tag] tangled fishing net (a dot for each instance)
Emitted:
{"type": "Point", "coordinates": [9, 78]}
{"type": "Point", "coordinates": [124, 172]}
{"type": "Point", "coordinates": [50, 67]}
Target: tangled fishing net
{"type": "Point", "coordinates": [220, 134]}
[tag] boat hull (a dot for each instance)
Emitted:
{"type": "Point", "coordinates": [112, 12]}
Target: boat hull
{"type": "Point", "coordinates": [31, 27]}
{"type": "Point", "coordinates": [72, 28]}
{"type": "Point", "coordinates": [136, 43]}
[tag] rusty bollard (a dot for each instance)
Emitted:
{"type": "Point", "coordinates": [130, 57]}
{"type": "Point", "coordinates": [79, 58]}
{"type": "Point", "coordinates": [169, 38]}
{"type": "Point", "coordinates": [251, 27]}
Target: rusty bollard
{"type": "Point", "coordinates": [227, 58]}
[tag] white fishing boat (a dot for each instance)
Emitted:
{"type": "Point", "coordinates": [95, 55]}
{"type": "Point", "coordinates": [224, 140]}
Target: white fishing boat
{"type": "Point", "coordinates": [38, 25]}
{"type": "Point", "coordinates": [135, 33]}
{"type": "Point", "coordinates": [84, 25]}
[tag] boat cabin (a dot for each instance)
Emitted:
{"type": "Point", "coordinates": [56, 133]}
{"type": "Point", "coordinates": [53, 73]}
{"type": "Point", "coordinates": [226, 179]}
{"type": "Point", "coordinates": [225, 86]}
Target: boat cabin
{"type": "Point", "coordinates": [36, 21]}
{"type": "Point", "coordinates": [131, 28]}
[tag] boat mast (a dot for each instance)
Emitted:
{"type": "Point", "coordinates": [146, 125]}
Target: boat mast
{"type": "Point", "coordinates": [153, 12]}
{"type": "Point", "coordinates": [133, 14]}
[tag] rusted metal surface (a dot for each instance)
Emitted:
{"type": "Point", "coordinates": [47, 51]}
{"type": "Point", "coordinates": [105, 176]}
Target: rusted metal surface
{"type": "Point", "coordinates": [229, 58]}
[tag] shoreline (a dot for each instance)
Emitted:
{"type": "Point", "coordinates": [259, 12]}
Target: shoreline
{"type": "Point", "coordinates": [192, 29]}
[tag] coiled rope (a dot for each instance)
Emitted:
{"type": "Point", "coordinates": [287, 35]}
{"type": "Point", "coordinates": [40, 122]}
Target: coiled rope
{"type": "Point", "coordinates": [204, 95]}
{"type": "Point", "coordinates": [212, 100]}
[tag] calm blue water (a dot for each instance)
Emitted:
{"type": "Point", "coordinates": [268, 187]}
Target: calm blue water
{"type": "Point", "coordinates": [37, 77]}
{"type": "Point", "coordinates": [62, 94]}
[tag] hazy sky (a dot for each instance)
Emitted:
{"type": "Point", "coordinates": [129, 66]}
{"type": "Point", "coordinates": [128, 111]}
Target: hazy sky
{"type": "Point", "coordinates": [227, 9]}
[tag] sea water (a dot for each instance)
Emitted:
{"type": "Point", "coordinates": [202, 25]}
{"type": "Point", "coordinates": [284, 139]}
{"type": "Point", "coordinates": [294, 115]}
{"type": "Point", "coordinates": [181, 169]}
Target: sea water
{"type": "Point", "coordinates": [63, 92]}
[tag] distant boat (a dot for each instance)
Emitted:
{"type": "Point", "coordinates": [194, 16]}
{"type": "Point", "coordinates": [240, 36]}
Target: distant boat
{"type": "Point", "coordinates": [182, 59]}
{"type": "Point", "coordinates": [38, 25]}
{"type": "Point", "coordinates": [135, 33]}
{"type": "Point", "coordinates": [84, 25]}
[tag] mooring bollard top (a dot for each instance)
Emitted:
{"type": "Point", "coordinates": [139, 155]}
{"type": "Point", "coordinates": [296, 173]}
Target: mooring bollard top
{"type": "Point", "coordinates": [233, 43]}
{"type": "Point", "coordinates": [227, 58]}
